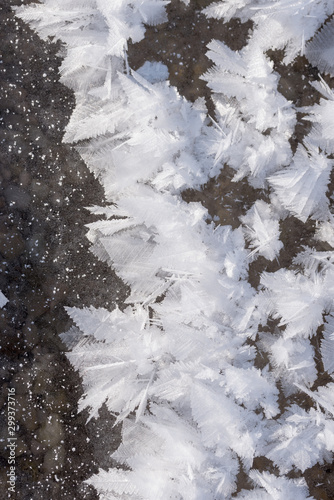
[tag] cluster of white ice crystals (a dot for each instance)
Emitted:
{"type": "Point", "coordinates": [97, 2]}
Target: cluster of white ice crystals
{"type": "Point", "coordinates": [179, 364]}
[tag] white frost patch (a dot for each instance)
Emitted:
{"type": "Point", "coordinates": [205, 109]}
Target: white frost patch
{"type": "Point", "coordinates": [154, 71]}
{"type": "Point", "coordinates": [3, 300]}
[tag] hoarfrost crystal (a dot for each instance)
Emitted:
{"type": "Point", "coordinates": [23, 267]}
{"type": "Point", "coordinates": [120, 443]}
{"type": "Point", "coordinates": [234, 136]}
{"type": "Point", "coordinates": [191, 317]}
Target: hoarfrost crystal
{"type": "Point", "coordinates": [196, 363]}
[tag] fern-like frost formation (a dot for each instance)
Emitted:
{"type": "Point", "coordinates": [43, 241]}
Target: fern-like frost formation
{"type": "Point", "coordinates": [194, 364]}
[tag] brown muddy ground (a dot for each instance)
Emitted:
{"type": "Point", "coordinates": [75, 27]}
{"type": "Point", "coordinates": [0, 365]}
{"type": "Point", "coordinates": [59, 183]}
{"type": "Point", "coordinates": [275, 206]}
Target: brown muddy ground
{"type": "Point", "coordinates": [44, 255]}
